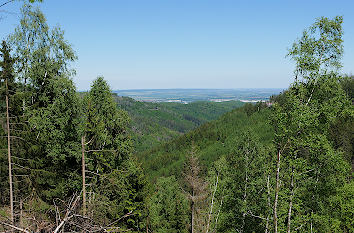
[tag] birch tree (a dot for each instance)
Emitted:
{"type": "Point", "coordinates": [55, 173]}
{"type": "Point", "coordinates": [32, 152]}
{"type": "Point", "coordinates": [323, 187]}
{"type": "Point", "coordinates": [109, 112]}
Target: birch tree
{"type": "Point", "coordinates": [306, 162]}
{"type": "Point", "coordinates": [245, 207]}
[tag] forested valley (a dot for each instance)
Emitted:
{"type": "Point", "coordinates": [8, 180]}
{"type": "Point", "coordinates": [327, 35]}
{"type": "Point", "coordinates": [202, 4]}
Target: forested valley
{"type": "Point", "coordinates": [156, 123]}
{"type": "Point", "coordinates": [96, 162]}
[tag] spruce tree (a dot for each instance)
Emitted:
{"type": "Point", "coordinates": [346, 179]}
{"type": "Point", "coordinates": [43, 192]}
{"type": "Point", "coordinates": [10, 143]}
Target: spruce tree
{"type": "Point", "coordinates": [117, 183]}
{"type": "Point", "coordinates": [168, 207]}
{"type": "Point", "coordinates": [7, 90]}
{"type": "Point", "coordinates": [49, 104]}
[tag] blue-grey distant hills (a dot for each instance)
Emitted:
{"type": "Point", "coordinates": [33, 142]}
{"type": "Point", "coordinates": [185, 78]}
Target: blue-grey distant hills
{"type": "Point", "coordinates": [190, 95]}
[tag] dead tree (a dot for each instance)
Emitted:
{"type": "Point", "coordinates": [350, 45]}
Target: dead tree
{"type": "Point", "coordinates": [277, 184]}
{"type": "Point", "coordinates": [196, 192]}
{"type": "Point", "coordinates": [212, 203]}
{"type": "Point", "coordinates": [9, 154]}
{"type": "Point", "coordinates": [83, 164]}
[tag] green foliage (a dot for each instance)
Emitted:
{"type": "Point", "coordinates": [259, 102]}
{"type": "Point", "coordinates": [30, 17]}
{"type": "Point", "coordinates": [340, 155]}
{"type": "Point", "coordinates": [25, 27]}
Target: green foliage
{"type": "Point", "coordinates": [245, 191]}
{"type": "Point", "coordinates": [309, 128]}
{"type": "Point", "coordinates": [119, 182]}
{"type": "Point", "coordinates": [53, 140]}
{"type": "Point", "coordinates": [341, 135]}
{"type": "Point", "coordinates": [168, 207]}
{"type": "Point", "coordinates": [105, 127]}
{"type": "Point", "coordinates": [341, 208]}
{"type": "Point", "coordinates": [320, 48]}
{"type": "Point", "coordinates": [122, 192]}
{"type": "Point", "coordinates": [41, 52]}
{"type": "Point", "coordinates": [7, 88]}
{"type": "Point", "coordinates": [347, 83]}
{"type": "Point", "coordinates": [307, 134]}
{"type": "Point", "coordinates": [50, 106]}
{"type": "Point", "coordinates": [311, 171]}
{"type": "Point", "coordinates": [215, 138]}
{"type": "Point", "coordinates": [156, 123]}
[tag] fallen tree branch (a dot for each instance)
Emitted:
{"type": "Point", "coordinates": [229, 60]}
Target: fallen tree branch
{"type": "Point", "coordinates": [62, 223]}
{"type": "Point", "coordinates": [67, 217]}
{"type": "Point", "coordinates": [14, 227]}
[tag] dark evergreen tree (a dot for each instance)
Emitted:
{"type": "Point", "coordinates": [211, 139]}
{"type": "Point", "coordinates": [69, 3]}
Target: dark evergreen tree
{"type": "Point", "coordinates": [168, 207]}
{"type": "Point", "coordinates": [106, 132]}
{"type": "Point", "coordinates": [116, 177]}
{"type": "Point", "coordinates": [49, 104]}
{"type": "Point", "coordinates": [7, 85]}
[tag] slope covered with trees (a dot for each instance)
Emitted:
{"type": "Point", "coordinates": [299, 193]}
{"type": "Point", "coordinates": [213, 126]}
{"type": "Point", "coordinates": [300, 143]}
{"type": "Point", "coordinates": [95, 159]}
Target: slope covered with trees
{"type": "Point", "coordinates": [212, 140]}
{"type": "Point", "coordinates": [278, 169]}
{"type": "Point", "coordinates": [156, 123]}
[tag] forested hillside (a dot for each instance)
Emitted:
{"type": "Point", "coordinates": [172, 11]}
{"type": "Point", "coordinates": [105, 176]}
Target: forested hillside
{"type": "Point", "coordinates": [212, 140]}
{"type": "Point", "coordinates": [155, 123]}
{"type": "Point", "coordinates": [284, 168]}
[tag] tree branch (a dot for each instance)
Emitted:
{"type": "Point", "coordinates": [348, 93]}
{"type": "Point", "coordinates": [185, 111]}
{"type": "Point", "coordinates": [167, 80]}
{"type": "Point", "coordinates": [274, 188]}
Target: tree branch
{"type": "Point", "coordinates": [14, 227]}
{"type": "Point", "coordinates": [6, 3]}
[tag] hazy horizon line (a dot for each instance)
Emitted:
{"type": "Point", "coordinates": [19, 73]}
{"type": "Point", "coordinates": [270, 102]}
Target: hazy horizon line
{"type": "Point", "coordinates": [192, 88]}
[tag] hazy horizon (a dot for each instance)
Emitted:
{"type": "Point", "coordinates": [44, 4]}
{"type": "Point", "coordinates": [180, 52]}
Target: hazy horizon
{"type": "Point", "coordinates": [186, 95]}
{"type": "Point", "coordinates": [196, 88]}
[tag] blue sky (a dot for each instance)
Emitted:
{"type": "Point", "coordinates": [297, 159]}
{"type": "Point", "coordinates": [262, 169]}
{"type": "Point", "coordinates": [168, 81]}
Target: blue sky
{"type": "Point", "coordinates": [186, 43]}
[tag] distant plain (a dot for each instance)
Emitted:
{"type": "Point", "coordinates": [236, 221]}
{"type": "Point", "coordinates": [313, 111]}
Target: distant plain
{"type": "Point", "coordinates": [191, 95]}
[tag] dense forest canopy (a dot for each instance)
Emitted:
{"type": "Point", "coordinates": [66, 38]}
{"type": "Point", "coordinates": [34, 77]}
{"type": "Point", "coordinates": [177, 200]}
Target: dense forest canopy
{"type": "Point", "coordinates": [67, 161]}
{"type": "Point", "coordinates": [156, 123]}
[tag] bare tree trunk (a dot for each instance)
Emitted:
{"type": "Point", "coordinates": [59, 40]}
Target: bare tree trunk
{"type": "Point", "coordinates": [9, 154]}
{"type": "Point", "coordinates": [269, 205]}
{"type": "Point", "coordinates": [21, 213]}
{"type": "Point", "coordinates": [147, 224]}
{"type": "Point", "coordinates": [245, 192]}
{"type": "Point", "coordinates": [83, 175]}
{"type": "Point", "coordinates": [193, 209]}
{"type": "Point", "coordinates": [68, 214]}
{"type": "Point", "coordinates": [291, 199]}
{"type": "Point", "coordinates": [276, 194]}
{"type": "Point", "coordinates": [217, 216]}
{"type": "Point", "coordinates": [196, 194]}
{"type": "Point", "coordinates": [212, 203]}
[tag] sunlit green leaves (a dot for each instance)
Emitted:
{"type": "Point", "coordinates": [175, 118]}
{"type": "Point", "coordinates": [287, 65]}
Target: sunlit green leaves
{"type": "Point", "coordinates": [320, 48]}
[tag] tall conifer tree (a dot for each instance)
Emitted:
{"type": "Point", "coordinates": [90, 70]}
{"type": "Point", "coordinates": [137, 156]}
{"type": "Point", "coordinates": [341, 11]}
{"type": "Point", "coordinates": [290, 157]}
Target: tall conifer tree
{"type": "Point", "coordinates": [7, 89]}
{"type": "Point", "coordinates": [49, 103]}
{"type": "Point", "coordinates": [116, 178]}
